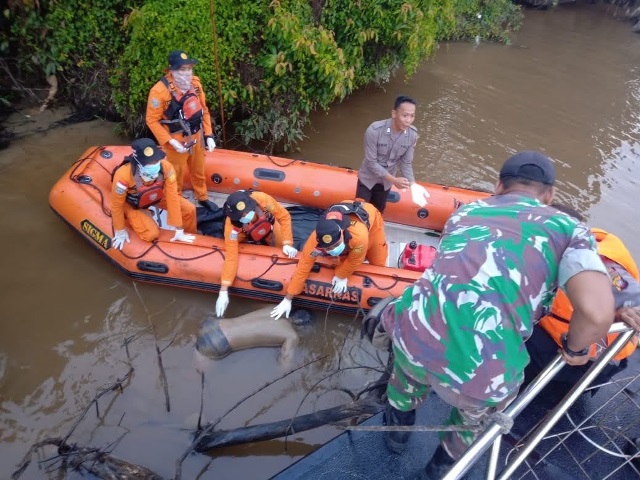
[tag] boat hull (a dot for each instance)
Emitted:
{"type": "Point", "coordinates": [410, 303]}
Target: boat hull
{"type": "Point", "coordinates": [82, 199]}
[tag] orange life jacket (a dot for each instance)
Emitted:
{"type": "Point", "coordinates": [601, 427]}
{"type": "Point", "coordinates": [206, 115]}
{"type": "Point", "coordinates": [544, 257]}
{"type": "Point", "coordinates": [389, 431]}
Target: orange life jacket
{"type": "Point", "coordinates": [556, 323]}
{"type": "Point", "coordinates": [259, 229]}
{"type": "Point", "coordinates": [145, 196]}
{"type": "Point", "coordinates": [184, 110]}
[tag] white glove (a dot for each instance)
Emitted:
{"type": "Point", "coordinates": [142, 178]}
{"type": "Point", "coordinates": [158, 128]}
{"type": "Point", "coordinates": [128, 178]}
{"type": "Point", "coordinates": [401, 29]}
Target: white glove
{"type": "Point", "coordinates": [419, 194]}
{"type": "Point", "coordinates": [222, 303]}
{"type": "Point", "coordinates": [119, 238]}
{"type": "Point", "coordinates": [180, 236]}
{"type": "Point", "coordinates": [289, 251]}
{"type": "Point", "coordinates": [211, 144]}
{"type": "Point", "coordinates": [283, 307]}
{"type": "Point", "coordinates": [339, 284]}
{"type": "Point", "coordinates": [177, 146]}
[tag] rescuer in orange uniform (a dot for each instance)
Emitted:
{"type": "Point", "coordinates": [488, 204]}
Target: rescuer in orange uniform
{"type": "Point", "coordinates": [178, 116]}
{"type": "Point", "coordinates": [548, 333]}
{"type": "Point", "coordinates": [252, 217]}
{"type": "Point", "coordinates": [350, 230]}
{"type": "Point", "coordinates": [143, 180]}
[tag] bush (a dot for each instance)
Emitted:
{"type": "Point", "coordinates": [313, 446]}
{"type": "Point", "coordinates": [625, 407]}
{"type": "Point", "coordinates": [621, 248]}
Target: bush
{"type": "Point", "coordinates": [88, 39]}
{"type": "Point", "coordinates": [76, 40]}
{"type": "Point", "coordinates": [489, 20]}
{"type": "Point", "coordinates": [275, 66]}
{"type": "Point", "coordinates": [274, 62]}
{"type": "Point", "coordinates": [278, 61]}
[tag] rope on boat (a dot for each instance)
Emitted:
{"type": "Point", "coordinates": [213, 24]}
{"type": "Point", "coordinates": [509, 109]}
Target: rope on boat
{"type": "Point", "coordinates": [502, 419]}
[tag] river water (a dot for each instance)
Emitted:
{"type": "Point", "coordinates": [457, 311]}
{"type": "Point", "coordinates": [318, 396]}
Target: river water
{"type": "Point", "coordinates": [568, 85]}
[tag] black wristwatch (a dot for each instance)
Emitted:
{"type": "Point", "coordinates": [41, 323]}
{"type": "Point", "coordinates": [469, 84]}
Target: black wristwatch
{"type": "Point", "coordinates": [572, 353]}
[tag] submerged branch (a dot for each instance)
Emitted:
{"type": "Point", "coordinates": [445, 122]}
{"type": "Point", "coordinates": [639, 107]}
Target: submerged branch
{"type": "Point", "coordinates": [88, 460]}
{"type": "Point", "coordinates": [209, 428]}
{"type": "Point", "coordinates": [163, 373]}
{"type": "Point", "coordinates": [269, 431]}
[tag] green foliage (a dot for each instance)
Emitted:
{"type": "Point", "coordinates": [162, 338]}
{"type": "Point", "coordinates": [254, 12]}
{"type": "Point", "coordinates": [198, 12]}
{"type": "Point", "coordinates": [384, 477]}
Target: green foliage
{"type": "Point", "coordinates": [486, 19]}
{"type": "Point", "coordinates": [27, 39]}
{"type": "Point", "coordinates": [77, 40]}
{"type": "Point", "coordinates": [275, 65]}
{"type": "Point", "coordinates": [88, 36]}
{"type": "Point", "coordinates": [378, 36]}
{"type": "Point", "coordinates": [271, 64]}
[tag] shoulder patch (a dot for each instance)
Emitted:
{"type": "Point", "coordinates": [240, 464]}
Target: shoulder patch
{"type": "Point", "coordinates": [171, 177]}
{"type": "Point", "coordinates": [270, 207]}
{"type": "Point", "coordinates": [617, 281]}
{"type": "Point", "coordinates": [155, 103]}
{"type": "Point", "coordinates": [357, 249]}
{"type": "Point", "coordinates": [121, 188]}
{"type": "Point", "coordinates": [233, 235]}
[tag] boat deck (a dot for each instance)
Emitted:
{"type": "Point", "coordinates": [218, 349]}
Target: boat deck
{"type": "Point", "coordinates": [595, 439]}
{"type": "Point", "coordinates": [398, 236]}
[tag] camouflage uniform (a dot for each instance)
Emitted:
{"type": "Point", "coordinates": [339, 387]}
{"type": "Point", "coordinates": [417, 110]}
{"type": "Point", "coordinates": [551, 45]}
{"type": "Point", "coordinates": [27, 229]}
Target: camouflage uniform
{"type": "Point", "coordinates": [460, 329]}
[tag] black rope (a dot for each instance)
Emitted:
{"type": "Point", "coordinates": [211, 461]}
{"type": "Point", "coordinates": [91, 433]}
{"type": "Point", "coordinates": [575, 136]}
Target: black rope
{"type": "Point", "coordinates": [274, 261]}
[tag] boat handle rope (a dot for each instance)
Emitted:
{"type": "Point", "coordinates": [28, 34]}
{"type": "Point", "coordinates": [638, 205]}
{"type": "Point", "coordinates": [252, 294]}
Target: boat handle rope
{"type": "Point", "coordinates": [156, 244]}
{"type": "Point", "coordinates": [76, 178]}
{"type": "Point", "coordinates": [373, 282]}
{"type": "Point", "coordinates": [504, 421]}
{"type": "Point", "coordinates": [275, 260]}
{"type": "Point", "coordinates": [256, 152]}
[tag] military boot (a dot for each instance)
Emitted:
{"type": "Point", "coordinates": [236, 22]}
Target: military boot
{"type": "Point", "coordinates": [392, 417]}
{"type": "Point", "coordinates": [438, 466]}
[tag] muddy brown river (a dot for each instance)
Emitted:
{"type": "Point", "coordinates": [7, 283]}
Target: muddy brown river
{"type": "Point", "coordinates": [568, 85]}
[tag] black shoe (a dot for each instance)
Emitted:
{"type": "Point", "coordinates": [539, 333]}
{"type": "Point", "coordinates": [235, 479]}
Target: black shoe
{"type": "Point", "coordinates": [392, 417]}
{"type": "Point", "coordinates": [209, 205]}
{"type": "Point", "coordinates": [438, 466]}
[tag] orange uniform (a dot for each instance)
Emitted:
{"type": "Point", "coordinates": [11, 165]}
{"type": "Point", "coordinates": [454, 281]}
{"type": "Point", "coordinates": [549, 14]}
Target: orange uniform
{"type": "Point", "coordinates": [556, 323]}
{"type": "Point", "coordinates": [365, 243]}
{"type": "Point", "coordinates": [282, 233]}
{"type": "Point", "coordinates": [181, 213]}
{"type": "Point", "coordinates": [157, 104]}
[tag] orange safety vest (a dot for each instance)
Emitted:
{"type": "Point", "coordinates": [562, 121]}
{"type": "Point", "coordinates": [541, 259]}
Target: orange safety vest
{"type": "Point", "coordinates": [556, 323]}
{"type": "Point", "coordinates": [144, 196]}
{"type": "Point", "coordinates": [258, 230]}
{"type": "Point", "coordinates": [186, 107]}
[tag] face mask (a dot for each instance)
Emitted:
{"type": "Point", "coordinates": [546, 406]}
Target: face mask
{"type": "Point", "coordinates": [335, 251]}
{"type": "Point", "coordinates": [248, 217]}
{"type": "Point", "coordinates": [150, 172]}
{"type": "Point", "coordinates": [182, 78]}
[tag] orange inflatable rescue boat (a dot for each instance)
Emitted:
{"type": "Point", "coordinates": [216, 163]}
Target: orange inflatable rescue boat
{"type": "Point", "coordinates": [82, 199]}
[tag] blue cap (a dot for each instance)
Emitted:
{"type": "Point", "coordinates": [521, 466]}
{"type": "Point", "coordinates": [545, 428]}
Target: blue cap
{"type": "Point", "coordinates": [178, 58]}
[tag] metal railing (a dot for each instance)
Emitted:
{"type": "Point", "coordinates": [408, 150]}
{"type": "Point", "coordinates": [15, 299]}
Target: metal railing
{"type": "Point", "coordinates": [491, 437]}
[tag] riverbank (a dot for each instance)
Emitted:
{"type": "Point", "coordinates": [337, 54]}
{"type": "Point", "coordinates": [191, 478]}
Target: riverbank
{"type": "Point", "coordinates": [29, 119]}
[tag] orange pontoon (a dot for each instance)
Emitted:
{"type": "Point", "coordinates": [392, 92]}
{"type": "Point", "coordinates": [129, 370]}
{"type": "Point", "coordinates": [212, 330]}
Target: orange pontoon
{"type": "Point", "coordinates": [82, 199]}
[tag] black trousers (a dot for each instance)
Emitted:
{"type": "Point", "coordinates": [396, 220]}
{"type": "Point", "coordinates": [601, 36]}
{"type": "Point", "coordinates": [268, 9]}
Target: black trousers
{"type": "Point", "coordinates": [377, 196]}
{"type": "Point", "coordinates": [542, 348]}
